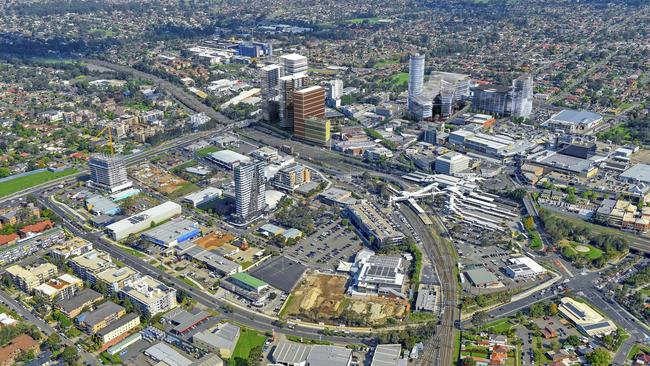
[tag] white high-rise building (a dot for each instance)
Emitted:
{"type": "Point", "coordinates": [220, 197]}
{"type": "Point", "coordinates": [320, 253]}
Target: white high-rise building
{"type": "Point", "coordinates": [270, 90]}
{"type": "Point", "coordinates": [250, 190]}
{"type": "Point", "coordinates": [522, 96]}
{"type": "Point", "coordinates": [416, 74]}
{"type": "Point", "coordinates": [294, 63]}
{"type": "Point", "coordinates": [334, 93]}
{"type": "Point", "coordinates": [108, 172]}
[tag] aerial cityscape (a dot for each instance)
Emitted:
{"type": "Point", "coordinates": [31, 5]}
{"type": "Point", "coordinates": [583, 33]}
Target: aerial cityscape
{"type": "Point", "coordinates": [325, 183]}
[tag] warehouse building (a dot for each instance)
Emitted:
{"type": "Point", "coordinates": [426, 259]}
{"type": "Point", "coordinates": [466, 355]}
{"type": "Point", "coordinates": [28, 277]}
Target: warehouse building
{"type": "Point", "coordinates": [142, 221]}
{"type": "Point", "coordinates": [586, 319]}
{"type": "Point", "coordinates": [221, 340]}
{"type": "Point", "coordinates": [213, 261]}
{"type": "Point", "coordinates": [172, 233]}
{"type": "Point", "coordinates": [99, 205]}
{"type": "Point", "coordinates": [298, 354]}
{"type": "Point", "coordinates": [184, 321]}
{"type": "Point", "coordinates": [481, 277]}
{"type": "Point", "coordinates": [163, 354]}
{"type": "Point", "coordinates": [203, 196]}
{"type": "Point", "coordinates": [639, 173]}
{"type": "Point", "coordinates": [571, 121]}
{"type": "Point", "coordinates": [386, 355]}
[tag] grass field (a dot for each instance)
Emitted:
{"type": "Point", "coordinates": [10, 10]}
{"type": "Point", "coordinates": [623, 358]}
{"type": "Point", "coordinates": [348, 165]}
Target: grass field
{"type": "Point", "coordinates": [384, 63]}
{"type": "Point", "coordinates": [185, 189]}
{"type": "Point", "coordinates": [400, 79]}
{"type": "Point", "coordinates": [322, 71]}
{"type": "Point", "coordinates": [248, 340]}
{"type": "Point", "coordinates": [206, 151]}
{"type": "Point", "coordinates": [372, 20]}
{"type": "Point", "coordinates": [498, 326]}
{"type": "Point", "coordinates": [591, 252]}
{"type": "Point", "coordinates": [21, 183]}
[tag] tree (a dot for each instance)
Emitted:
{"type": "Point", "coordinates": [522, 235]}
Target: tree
{"type": "Point", "coordinates": [53, 342]}
{"type": "Point", "coordinates": [4, 172]}
{"type": "Point", "coordinates": [552, 309]}
{"type": "Point", "coordinates": [536, 310]}
{"type": "Point", "coordinates": [70, 356]}
{"type": "Point", "coordinates": [599, 357]}
{"type": "Point", "coordinates": [479, 318]}
{"type": "Point", "coordinates": [467, 361]}
{"type": "Point", "coordinates": [573, 340]}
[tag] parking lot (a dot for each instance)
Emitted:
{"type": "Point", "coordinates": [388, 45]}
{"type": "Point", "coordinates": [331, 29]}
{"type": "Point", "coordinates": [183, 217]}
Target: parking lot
{"type": "Point", "coordinates": [494, 259]}
{"type": "Point", "coordinates": [331, 243]}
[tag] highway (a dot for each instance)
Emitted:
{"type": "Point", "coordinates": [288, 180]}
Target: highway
{"type": "Point", "coordinates": [440, 349]}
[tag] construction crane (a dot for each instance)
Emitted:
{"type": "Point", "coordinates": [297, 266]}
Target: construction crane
{"type": "Point", "coordinates": [110, 138]}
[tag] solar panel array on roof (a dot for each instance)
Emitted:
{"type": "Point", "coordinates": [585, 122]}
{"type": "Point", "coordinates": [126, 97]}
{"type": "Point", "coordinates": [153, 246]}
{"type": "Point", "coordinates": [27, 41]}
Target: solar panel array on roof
{"type": "Point", "coordinates": [381, 271]}
{"type": "Point", "coordinates": [579, 313]}
{"type": "Point", "coordinates": [603, 324]}
{"type": "Point", "coordinates": [136, 219]}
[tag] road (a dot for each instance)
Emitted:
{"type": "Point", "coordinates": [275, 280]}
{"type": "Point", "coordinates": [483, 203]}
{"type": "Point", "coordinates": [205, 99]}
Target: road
{"type": "Point", "coordinates": [247, 317]}
{"type": "Point", "coordinates": [86, 358]}
{"type": "Point", "coordinates": [440, 350]}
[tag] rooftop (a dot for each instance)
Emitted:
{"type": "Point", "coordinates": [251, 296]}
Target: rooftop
{"type": "Point", "coordinates": [576, 117]}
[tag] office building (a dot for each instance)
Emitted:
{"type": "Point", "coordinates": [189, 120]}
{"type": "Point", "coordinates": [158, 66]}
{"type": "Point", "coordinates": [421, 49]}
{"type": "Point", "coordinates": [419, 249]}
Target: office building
{"type": "Point", "coordinates": [421, 107]}
{"type": "Point", "coordinates": [249, 190]}
{"type": "Point", "coordinates": [270, 91]}
{"type": "Point", "coordinates": [492, 99]}
{"type": "Point", "coordinates": [522, 96]}
{"type": "Point", "coordinates": [142, 221]}
{"type": "Point", "coordinates": [318, 131]}
{"type": "Point", "coordinates": [452, 163]}
{"type": "Point", "coordinates": [294, 63]}
{"type": "Point", "coordinates": [307, 102]}
{"type": "Point", "coordinates": [416, 75]}
{"type": "Point", "coordinates": [149, 295]}
{"type": "Point", "coordinates": [334, 93]}
{"type": "Point", "coordinates": [108, 172]}
{"type": "Point", "coordinates": [27, 279]}
{"type": "Point", "coordinates": [378, 275]}
{"type": "Point", "coordinates": [288, 85]}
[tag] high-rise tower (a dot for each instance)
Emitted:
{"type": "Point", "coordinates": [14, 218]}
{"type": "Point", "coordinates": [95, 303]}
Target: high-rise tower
{"type": "Point", "coordinates": [250, 198]}
{"type": "Point", "coordinates": [108, 172]}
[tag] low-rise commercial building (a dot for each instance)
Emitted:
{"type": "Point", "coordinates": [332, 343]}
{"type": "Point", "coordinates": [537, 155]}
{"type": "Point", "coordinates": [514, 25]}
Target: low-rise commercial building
{"type": "Point", "coordinates": [144, 220]}
{"type": "Point", "coordinates": [586, 319]}
{"type": "Point", "coordinates": [386, 355]}
{"type": "Point", "coordinates": [524, 267]}
{"type": "Point", "coordinates": [451, 163]}
{"type": "Point", "coordinates": [213, 261]}
{"type": "Point", "coordinates": [227, 159]}
{"type": "Point", "coordinates": [99, 205]}
{"type": "Point", "coordinates": [252, 289]}
{"type": "Point", "coordinates": [571, 121]}
{"type": "Point", "coordinates": [481, 277]}
{"type": "Point", "coordinates": [377, 153]}
{"type": "Point", "coordinates": [383, 275]}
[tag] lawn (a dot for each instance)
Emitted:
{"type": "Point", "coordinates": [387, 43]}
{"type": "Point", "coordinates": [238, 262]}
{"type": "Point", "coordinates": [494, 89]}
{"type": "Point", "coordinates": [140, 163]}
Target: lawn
{"type": "Point", "coordinates": [498, 326]}
{"type": "Point", "coordinates": [636, 349]}
{"type": "Point", "coordinates": [18, 184]}
{"type": "Point", "coordinates": [372, 20]}
{"type": "Point", "coordinates": [385, 63]}
{"type": "Point", "coordinates": [400, 78]}
{"type": "Point", "coordinates": [185, 189]}
{"type": "Point", "coordinates": [248, 339]}
{"type": "Point", "coordinates": [188, 281]}
{"type": "Point", "coordinates": [322, 71]}
{"type": "Point", "coordinates": [592, 254]}
{"type": "Point", "coordinates": [203, 152]}
{"type": "Point", "coordinates": [132, 252]}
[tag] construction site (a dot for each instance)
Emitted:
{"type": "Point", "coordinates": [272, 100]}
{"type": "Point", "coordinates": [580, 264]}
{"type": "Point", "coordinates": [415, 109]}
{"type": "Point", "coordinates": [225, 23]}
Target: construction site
{"type": "Point", "coordinates": [322, 298]}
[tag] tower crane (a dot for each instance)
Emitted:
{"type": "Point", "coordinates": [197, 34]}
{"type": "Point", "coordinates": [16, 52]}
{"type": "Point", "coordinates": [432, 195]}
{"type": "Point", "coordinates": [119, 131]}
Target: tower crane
{"type": "Point", "coordinates": [110, 138]}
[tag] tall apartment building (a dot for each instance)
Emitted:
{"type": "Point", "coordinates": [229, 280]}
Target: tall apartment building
{"type": "Point", "coordinates": [88, 265]}
{"type": "Point", "coordinates": [288, 85]}
{"type": "Point", "coordinates": [307, 102]}
{"type": "Point", "coordinates": [292, 176]}
{"type": "Point", "coordinates": [334, 93]}
{"type": "Point", "coordinates": [250, 191]}
{"type": "Point", "coordinates": [294, 63]}
{"type": "Point", "coordinates": [108, 172]}
{"type": "Point", "coordinates": [149, 295]}
{"type": "Point", "coordinates": [270, 91]}
{"type": "Point", "coordinates": [416, 75]}
{"type": "Point", "coordinates": [522, 96]}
